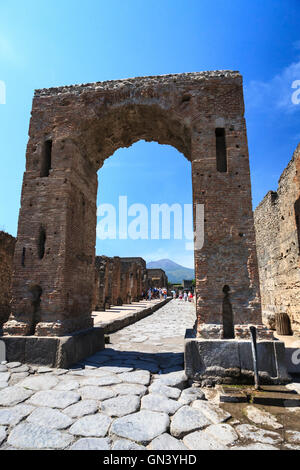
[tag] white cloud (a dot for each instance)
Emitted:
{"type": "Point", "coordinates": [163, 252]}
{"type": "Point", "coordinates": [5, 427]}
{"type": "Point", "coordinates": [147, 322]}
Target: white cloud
{"type": "Point", "coordinates": [276, 93]}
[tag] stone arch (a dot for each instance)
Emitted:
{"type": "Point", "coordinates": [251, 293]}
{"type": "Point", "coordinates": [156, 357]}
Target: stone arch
{"type": "Point", "coordinates": [85, 125]}
{"type": "Point", "coordinates": [127, 124]}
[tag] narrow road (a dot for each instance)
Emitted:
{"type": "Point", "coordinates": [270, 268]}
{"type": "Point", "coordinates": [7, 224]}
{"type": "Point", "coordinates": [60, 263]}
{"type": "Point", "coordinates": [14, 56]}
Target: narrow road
{"type": "Point", "coordinates": [161, 332]}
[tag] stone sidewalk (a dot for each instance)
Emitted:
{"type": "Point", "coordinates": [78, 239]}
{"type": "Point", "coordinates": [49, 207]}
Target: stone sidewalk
{"type": "Point", "coordinates": [118, 317]}
{"type": "Point", "coordinates": [134, 395]}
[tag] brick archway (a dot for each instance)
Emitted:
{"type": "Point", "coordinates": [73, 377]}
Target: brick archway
{"type": "Point", "coordinates": [72, 131]}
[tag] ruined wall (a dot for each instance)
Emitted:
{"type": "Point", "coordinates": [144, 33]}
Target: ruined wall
{"type": "Point", "coordinates": [118, 280]}
{"type": "Point", "coordinates": [7, 247]}
{"type": "Point", "coordinates": [277, 226]}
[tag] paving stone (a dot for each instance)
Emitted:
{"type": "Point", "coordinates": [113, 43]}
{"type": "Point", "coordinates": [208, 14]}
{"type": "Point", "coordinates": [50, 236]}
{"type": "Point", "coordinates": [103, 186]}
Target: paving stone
{"type": "Point", "coordinates": [44, 370]}
{"type": "Point", "coordinates": [125, 444]}
{"type": "Point", "coordinates": [67, 385]}
{"type": "Point", "coordinates": [37, 383]}
{"type": "Point", "coordinates": [15, 378]}
{"type": "Point", "coordinates": [141, 427]}
{"type": "Point", "coordinates": [115, 369]}
{"type": "Point", "coordinates": [10, 396]}
{"type": "Point", "coordinates": [60, 371]}
{"type": "Point", "coordinates": [129, 389]}
{"type": "Point", "coordinates": [156, 402]}
{"type": "Point", "coordinates": [139, 339]}
{"type": "Point", "coordinates": [224, 433]}
{"type": "Point", "coordinates": [91, 392]}
{"type": "Point", "coordinates": [191, 394]}
{"type": "Point", "coordinates": [19, 369]}
{"type": "Point", "coordinates": [4, 376]}
{"type": "Point", "coordinates": [199, 440]}
{"type": "Point", "coordinates": [292, 436]}
{"type": "Point", "coordinates": [92, 443]}
{"type": "Point", "coordinates": [91, 373]}
{"type": "Point", "coordinates": [294, 386]}
{"type": "Point", "coordinates": [33, 436]}
{"type": "Point", "coordinates": [186, 420]}
{"type": "Point", "coordinates": [253, 433]}
{"type": "Point", "coordinates": [168, 360]}
{"type": "Point", "coordinates": [166, 442]}
{"type": "Point", "coordinates": [50, 418]}
{"type": "Point", "coordinates": [161, 389]}
{"type": "Point", "coordinates": [259, 416]}
{"type": "Point", "coordinates": [150, 366]}
{"type": "Point", "coordinates": [11, 365]}
{"type": "Point", "coordinates": [121, 405]}
{"type": "Point", "coordinates": [93, 425]}
{"type": "Point", "coordinates": [54, 398]}
{"type": "Point", "coordinates": [257, 446]}
{"type": "Point", "coordinates": [82, 408]}
{"type": "Point", "coordinates": [174, 379]}
{"type": "Point", "coordinates": [102, 381]}
{"type": "Point", "coordinates": [213, 412]}
{"type": "Point", "coordinates": [138, 377]}
{"type": "Point", "coordinates": [3, 385]}
{"type": "Point", "coordinates": [13, 415]}
{"type": "Point", "coordinates": [3, 368]}
{"type": "Point", "coordinates": [291, 447]}
{"type": "Point", "coordinates": [2, 434]}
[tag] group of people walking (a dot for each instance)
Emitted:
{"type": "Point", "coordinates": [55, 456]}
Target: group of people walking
{"type": "Point", "coordinates": [184, 295]}
{"type": "Point", "coordinates": [155, 293]}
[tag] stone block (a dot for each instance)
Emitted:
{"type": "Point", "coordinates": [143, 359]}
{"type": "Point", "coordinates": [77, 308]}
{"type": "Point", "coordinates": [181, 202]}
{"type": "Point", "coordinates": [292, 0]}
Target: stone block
{"type": "Point", "coordinates": [230, 361]}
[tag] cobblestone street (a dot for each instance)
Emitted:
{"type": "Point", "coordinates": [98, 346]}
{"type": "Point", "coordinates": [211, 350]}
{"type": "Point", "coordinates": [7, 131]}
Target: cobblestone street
{"type": "Point", "coordinates": [161, 332]}
{"type": "Point", "coordinates": [134, 395]}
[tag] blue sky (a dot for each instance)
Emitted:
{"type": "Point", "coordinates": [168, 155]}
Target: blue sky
{"type": "Point", "coordinates": [46, 44]}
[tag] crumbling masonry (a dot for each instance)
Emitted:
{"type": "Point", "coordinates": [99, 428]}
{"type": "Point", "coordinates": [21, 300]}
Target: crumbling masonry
{"type": "Point", "coordinates": [73, 129]}
{"type": "Point", "coordinates": [277, 225]}
{"type": "Point", "coordinates": [118, 281]}
{"type": "Point", "coordinates": [157, 278]}
{"type": "Point", "coordinates": [7, 247]}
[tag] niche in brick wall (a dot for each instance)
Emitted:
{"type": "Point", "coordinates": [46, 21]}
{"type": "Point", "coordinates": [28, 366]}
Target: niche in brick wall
{"type": "Point", "coordinates": [46, 158]}
{"type": "Point", "coordinates": [297, 217]}
{"type": "Point", "coordinates": [41, 242]}
{"type": "Point", "coordinates": [227, 314]}
{"type": "Point", "coordinates": [221, 154]}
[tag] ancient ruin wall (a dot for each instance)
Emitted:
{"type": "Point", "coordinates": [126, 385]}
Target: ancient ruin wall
{"type": "Point", "coordinates": [7, 248]}
{"type": "Point", "coordinates": [157, 278]}
{"type": "Point", "coordinates": [118, 281]}
{"type": "Point", "coordinates": [277, 226]}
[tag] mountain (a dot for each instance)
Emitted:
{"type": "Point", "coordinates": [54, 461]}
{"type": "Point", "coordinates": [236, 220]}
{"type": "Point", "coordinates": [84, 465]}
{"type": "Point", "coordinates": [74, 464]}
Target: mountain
{"type": "Point", "coordinates": [175, 272]}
